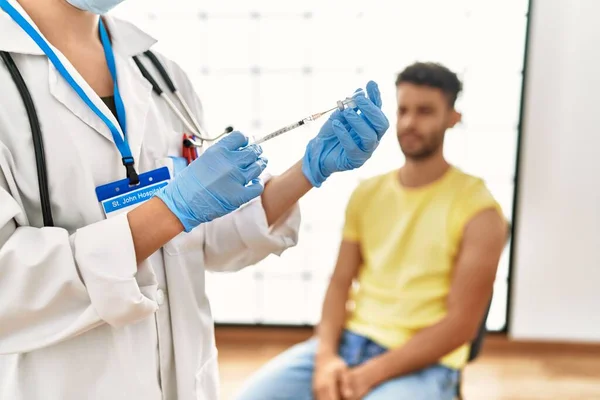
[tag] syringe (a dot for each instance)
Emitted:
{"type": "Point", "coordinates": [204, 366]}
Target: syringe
{"type": "Point", "coordinates": [341, 105]}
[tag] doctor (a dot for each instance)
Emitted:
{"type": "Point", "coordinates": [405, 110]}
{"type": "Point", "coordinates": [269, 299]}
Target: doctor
{"type": "Point", "coordinates": [109, 305]}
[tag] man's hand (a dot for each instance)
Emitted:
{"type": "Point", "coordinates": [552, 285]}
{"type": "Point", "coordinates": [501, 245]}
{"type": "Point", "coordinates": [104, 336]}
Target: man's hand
{"type": "Point", "coordinates": [330, 329]}
{"type": "Point", "coordinates": [326, 380]}
{"type": "Point", "coordinates": [356, 383]}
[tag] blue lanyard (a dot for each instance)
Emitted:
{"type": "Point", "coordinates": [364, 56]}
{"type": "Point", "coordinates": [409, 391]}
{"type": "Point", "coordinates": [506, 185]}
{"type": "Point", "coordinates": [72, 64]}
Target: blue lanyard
{"type": "Point", "coordinates": [120, 141]}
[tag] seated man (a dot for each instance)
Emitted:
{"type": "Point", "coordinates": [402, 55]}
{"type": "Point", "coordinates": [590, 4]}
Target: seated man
{"type": "Point", "coordinates": [422, 243]}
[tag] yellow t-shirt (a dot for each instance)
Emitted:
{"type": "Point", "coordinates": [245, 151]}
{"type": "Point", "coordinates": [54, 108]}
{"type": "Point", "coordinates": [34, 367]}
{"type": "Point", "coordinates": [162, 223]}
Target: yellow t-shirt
{"type": "Point", "coordinates": [409, 239]}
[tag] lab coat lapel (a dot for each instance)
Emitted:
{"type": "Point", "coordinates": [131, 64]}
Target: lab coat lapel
{"type": "Point", "coordinates": [65, 94]}
{"type": "Point", "coordinates": [14, 39]}
{"type": "Point", "coordinates": [128, 40]}
{"type": "Point", "coordinates": [135, 91]}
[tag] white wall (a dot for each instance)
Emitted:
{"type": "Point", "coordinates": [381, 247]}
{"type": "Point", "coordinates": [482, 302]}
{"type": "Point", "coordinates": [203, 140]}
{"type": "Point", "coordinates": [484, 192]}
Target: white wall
{"type": "Point", "coordinates": [476, 43]}
{"type": "Point", "coordinates": [556, 292]}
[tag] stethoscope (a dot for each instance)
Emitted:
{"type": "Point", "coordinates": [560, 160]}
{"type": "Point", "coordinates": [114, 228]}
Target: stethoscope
{"type": "Point", "coordinates": [195, 129]}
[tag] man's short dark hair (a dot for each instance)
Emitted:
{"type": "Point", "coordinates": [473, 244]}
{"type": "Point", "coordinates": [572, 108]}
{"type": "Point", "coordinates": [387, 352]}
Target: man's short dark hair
{"type": "Point", "coordinates": [433, 75]}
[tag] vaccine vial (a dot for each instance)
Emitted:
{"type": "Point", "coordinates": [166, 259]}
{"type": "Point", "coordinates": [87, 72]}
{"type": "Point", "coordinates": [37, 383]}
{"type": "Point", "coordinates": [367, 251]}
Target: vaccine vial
{"type": "Point", "coordinates": [349, 102]}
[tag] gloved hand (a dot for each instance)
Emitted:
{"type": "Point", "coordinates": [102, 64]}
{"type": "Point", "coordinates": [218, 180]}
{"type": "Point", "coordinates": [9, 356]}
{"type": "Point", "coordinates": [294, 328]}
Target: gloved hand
{"type": "Point", "coordinates": [217, 182]}
{"type": "Point", "coordinates": [347, 140]}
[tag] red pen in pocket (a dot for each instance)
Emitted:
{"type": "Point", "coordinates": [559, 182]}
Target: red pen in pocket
{"type": "Point", "coordinates": [186, 151]}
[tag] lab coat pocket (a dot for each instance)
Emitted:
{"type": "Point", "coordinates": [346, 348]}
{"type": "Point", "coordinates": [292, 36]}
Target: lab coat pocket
{"type": "Point", "coordinates": [207, 379]}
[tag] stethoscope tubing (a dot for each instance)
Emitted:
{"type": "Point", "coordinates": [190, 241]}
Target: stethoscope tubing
{"type": "Point", "coordinates": [194, 127]}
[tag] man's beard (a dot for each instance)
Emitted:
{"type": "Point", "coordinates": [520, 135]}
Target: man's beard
{"type": "Point", "coordinates": [427, 150]}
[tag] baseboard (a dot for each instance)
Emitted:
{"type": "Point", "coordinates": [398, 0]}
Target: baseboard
{"type": "Point", "coordinates": [494, 342]}
{"type": "Point", "coordinates": [262, 334]}
{"type": "Point", "coordinates": [500, 343]}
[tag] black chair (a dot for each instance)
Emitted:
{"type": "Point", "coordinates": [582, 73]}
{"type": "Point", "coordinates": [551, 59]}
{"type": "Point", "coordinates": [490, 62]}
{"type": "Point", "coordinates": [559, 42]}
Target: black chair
{"type": "Point", "coordinates": [475, 349]}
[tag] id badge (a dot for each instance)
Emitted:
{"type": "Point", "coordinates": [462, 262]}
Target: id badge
{"type": "Point", "coordinates": [119, 197]}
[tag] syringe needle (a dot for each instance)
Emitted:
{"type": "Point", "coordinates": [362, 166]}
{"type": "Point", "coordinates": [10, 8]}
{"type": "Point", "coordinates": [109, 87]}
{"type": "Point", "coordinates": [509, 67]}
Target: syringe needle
{"type": "Point", "coordinates": [319, 115]}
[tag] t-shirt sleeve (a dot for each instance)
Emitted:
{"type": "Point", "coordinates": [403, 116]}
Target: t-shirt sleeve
{"type": "Point", "coordinates": [474, 199]}
{"type": "Point", "coordinates": [351, 230]}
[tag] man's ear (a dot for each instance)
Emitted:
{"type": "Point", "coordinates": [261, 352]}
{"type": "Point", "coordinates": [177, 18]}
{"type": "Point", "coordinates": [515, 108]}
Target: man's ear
{"type": "Point", "coordinates": [455, 118]}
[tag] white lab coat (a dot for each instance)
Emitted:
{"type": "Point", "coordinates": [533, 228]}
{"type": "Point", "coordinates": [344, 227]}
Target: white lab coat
{"type": "Point", "coordinates": [78, 320]}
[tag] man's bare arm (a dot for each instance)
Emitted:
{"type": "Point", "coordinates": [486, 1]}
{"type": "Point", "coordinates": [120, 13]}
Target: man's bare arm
{"type": "Point", "coordinates": [475, 271]}
{"type": "Point", "coordinates": [333, 315]}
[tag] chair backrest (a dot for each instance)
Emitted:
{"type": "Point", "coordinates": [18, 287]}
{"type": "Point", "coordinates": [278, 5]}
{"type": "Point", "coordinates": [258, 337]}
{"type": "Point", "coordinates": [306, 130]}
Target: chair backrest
{"type": "Point", "coordinates": [477, 344]}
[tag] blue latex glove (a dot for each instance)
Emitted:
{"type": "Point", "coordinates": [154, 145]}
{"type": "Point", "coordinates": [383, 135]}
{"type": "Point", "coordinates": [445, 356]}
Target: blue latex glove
{"type": "Point", "coordinates": [348, 139]}
{"type": "Point", "coordinates": [218, 182]}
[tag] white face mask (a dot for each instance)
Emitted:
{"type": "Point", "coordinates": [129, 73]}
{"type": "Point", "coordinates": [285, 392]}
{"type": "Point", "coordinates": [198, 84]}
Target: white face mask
{"type": "Point", "coordinates": [95, 6]}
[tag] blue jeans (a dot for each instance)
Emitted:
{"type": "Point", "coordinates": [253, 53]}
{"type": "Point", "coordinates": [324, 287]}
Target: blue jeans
{"type": "Point", "coordinates": [289, 375]}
